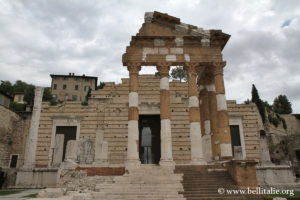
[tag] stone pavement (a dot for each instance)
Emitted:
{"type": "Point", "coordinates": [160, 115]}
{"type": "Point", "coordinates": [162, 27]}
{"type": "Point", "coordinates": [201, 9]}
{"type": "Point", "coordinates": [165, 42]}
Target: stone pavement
{"type": "Point", "coordinates": [20, 195]}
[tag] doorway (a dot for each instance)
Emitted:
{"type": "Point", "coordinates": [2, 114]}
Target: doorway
{"type": "Point", "coordinates": [69, 133]}
{"type": "Point", "coordinates": [149, 139]}
{"type": "Point", "coordinates": [235, 137]}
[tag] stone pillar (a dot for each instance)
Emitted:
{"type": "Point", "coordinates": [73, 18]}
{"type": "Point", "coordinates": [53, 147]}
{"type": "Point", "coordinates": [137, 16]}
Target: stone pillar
{"type": "Point", "coordinates": [133, 116]}
{"type": "Point", "coordinates": [32, 138]}
{"type": "Point", "coordinates": [224, 137]}
{"type": "Point", "coordinates": [194, 112]}
{"type": "Point", "coordinates": [165, 115]}
{"type": "Point", "coordinates": [207, 147]}
{"type": "Point", "coordinates": [211, 93]}
{"type": "Point", "coordinates": [58, 150]}
{"type": "Point", "coordinates": [101, 153]}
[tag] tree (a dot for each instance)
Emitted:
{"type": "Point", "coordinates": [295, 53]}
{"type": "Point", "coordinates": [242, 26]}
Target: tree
{"type": "Point", "coordinates": [29, 94]}
{"type": "Point", "coordinates": [259, 103]}
{"type": "Point", "coordinates": [255, 97]}
{"type": "Point", "coordinates": [101, 85]}
{"type": "Point", "coordinates": [282, 105]}
{"type": "Point", "coordinates": [247, 101]}
{"type": "Point", "coordinates": [88, 95]}
{"type": "Point", "coordinates": [6, 87]}
{"type": "Point", "coordinates": [178, 73]}
{"type": "Point", "coordinates": [47, 96]}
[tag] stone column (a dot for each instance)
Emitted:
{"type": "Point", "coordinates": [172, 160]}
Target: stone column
{"type": "Point", "coordinates": [194, 112]}
{"type": "Point", "coordinates": [32, 138]}
{"type": "Point", "coordinates": [165, 115]}
{"type": "Point", "coordinates": [211, 93]}
{"type": "Point", "coordinates": [206, 121]}
{"type": "Point", "coordinates": [133, 116]}
{"type": "Point", "coordinates": [224, 137]}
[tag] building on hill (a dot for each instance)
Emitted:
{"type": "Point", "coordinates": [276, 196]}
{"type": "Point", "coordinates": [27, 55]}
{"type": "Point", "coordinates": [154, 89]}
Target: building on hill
{"type": "Point", "coordinates": [72, 87]}
{"type": "Point", "coordinates": [19, 97]}
{"type": "Point", "coordinates": [5, 99]}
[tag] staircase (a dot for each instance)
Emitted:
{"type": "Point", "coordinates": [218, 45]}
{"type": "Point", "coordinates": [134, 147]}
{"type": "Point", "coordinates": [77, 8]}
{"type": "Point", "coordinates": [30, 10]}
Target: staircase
{"type": "Point", "coordinates": [203, 182]}
{"type": "Point", "coordinates": [149, 182]}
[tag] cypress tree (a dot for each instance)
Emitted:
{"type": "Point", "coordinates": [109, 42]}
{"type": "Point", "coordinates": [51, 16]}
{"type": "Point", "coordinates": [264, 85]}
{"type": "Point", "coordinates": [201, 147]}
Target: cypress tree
{"type": "Point", "coordinates": [259, 103]}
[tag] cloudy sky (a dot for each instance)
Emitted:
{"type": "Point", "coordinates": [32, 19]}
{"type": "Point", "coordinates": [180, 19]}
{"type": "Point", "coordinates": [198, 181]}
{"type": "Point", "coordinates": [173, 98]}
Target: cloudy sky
{"type": "Point", "coordinates": [39, 37]}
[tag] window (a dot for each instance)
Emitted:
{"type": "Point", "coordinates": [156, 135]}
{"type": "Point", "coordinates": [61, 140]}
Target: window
{"type": "Point", "coordinates": [13, 161]}
{"type": "Point", "coordinates": [55, 78]}
{"type": "Point", "coordinates": [74, 98]}
{"type": "Point", "coordinates": [54, 96]}
{"type": "Point", "coordinates": [76, 87]}
{"type": "Point", "coordinates": [65, 78]}
{"type": "Point", "coordinates": [87, 80]}
{"type": "Point", "coordinates": [66, 97]}
{"type": "Point", "coordinates": [76, 78]}
{"type": "Point", "coordinates": [19, 98]}
{"type": "Point", "coordinates": [54, 86]}
{"type": "Point", "coordinates": [64, 86]}
{"type": "Point", "coordinates": [86, 88]}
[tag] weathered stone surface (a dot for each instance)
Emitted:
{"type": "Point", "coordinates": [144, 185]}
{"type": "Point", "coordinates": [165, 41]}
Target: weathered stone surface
{"type": "Point", "coordinates": [52, 193]}
{"type": "Point", "coordinates": [86, 151]}
{"type": "Point", "coordinates": [31, 145]}
{"type": "Point", "coordinates": [58, 150]}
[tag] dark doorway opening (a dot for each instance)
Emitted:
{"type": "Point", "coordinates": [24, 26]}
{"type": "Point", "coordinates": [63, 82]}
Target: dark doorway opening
{"type": "Point", "coordinates": [13, 161]}
{"type": "Point", "coordinates": [69, 133]}
{"type": "Point", "coordinates": [149, 139]}
{"type": "Point", "coordinates": [235, 136]}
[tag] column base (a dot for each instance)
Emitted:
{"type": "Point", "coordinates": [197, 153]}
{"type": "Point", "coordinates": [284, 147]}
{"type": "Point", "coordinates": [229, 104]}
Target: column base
{"type": "Point", "coordinates": [166, 163]}
{"type": "Point", "coordinates": [198, 162]}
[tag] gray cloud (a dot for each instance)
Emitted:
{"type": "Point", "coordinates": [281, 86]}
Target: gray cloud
{"type": "Point", "coordinates": [42, 37]}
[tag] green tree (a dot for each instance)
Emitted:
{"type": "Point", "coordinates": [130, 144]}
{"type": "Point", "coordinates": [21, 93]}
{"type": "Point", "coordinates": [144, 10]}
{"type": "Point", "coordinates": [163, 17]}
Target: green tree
{"type": "Point", "coordinates": [247, 101]}
{"type": "Point", "coordinates": [6, 87]}
{"type": "Point", "coordinates": [178, 73]}
{"type": "Point", "coordinates": [29, 94]}
{"type": "Point", "coordinates": [47, 96]}
{"type": "Point", "coordinates": [255, 97]}
{"type": "Point", "coordinates": [101, 85]}
{"type": "Point", "coordinates": [282, 105]}
{"type": "Point", "coordinates": [88, 95]}
{"type": "Point", "coordinates": [259, 103]}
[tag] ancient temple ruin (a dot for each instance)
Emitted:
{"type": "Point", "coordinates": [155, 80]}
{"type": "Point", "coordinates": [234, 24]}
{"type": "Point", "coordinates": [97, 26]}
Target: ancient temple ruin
{"type": "Point", "coordinates": [148, 126]}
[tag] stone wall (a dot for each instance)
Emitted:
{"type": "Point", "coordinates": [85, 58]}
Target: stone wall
{"type": "Point", "coordinates": [14, 129]}
{"type": "Point", "coordinates": [108, 110]}
{"type": "Point", "coordinates": [252, 124]}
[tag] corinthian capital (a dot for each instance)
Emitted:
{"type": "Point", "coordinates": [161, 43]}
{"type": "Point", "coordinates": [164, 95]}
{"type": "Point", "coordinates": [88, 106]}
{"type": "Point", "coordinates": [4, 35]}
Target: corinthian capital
{"type": "Point", "coordinates": [190, 67]}
{"type": "Point", "coordinates": [218, 67]}
{"type": "Point", "coordinates": [133, 67]}
{"type": "Point", "coordinates": [163, 68]}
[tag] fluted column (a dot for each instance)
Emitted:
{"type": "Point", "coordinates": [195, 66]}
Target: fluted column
{"type": "Point", "coordinates": [194, 112]}
{"type": "Point", "coordinates": [224, 137]}
{"type": "Point", "coordinates": [211, 93]}
{"type": "Point", "coordinates": [133, 116]}
{"type": "Point", "coordinates": [165, 115]}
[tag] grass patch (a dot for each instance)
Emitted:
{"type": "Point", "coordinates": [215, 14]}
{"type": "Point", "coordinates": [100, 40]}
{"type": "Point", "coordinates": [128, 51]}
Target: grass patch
{"type": "Point", "coordinates": [8, 192]}
{"type": "Point", "coordinates": [31, 196]}
{"type": "Point", "coordinates": [287, 196]}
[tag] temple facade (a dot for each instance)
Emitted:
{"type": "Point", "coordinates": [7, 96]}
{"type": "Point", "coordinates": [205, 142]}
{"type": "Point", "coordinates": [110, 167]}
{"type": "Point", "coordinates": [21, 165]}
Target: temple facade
{"type": "Point", "coordinates": [148, 128]}
{"type": "Point", "coordinates": [187, 122]}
